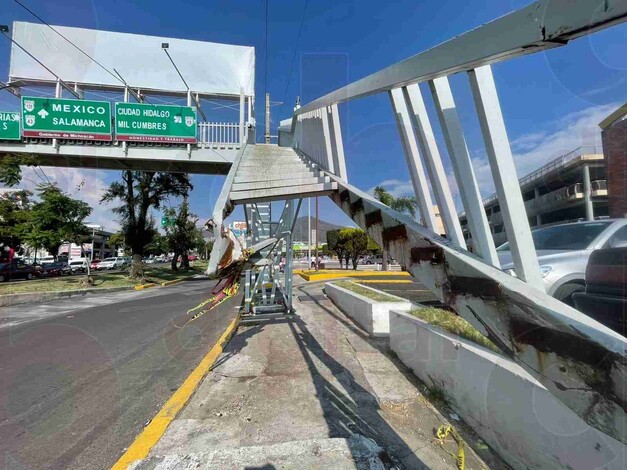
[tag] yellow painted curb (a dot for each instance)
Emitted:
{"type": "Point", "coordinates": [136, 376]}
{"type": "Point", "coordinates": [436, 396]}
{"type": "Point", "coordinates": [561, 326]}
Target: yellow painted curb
{"type": "Point", "coordinates": [145, 286]}
{"type": "Point", "coordinates": [383, 281]}
{"type": "Point", "coordinates": [327, 275]}
{"type": "Point", "coordinates": [172, 282]}
{"type": "Point", "coordinates": [151, 434]}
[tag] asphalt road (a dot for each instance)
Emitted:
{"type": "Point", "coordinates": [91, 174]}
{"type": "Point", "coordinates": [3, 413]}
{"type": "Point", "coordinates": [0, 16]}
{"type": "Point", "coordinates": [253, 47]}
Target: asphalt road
{"type": "Point", "coordinates": [79, 379]}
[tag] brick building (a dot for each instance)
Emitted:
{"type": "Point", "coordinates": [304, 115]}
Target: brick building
{"type": "Point", "coordinates": [614, 136]}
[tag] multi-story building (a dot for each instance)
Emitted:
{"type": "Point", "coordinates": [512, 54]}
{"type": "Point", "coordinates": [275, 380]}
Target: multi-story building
{"type": "Point", "coordinates": [614, 135]}
{"type": "Point", "coordinates": [556, 192]}
{"type": "Point", "coordinates": [97, 248]}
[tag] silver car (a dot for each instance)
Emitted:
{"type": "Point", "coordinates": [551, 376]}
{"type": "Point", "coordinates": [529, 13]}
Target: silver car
{"type": "Point", "coordinates": [563, 251]}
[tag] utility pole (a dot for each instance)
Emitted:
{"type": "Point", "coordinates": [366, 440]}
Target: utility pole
{"type": "Point", "coordinates": [309, 233]}
{"type": "Point", "coordinates": [317, 258]}
{"type": "Point", "coordinates": [267, 118]}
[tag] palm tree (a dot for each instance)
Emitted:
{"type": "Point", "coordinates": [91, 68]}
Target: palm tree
{"type": "Point", "coordinates": [403, 204]}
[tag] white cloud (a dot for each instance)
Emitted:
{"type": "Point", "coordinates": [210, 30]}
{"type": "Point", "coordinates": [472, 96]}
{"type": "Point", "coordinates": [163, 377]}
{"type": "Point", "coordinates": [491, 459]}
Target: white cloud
{"type": "Point", "coordinates": [530, 150]}
{"type": "Point", "coordinates": [86, 185]}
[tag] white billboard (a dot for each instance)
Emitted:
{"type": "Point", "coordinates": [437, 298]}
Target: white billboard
{"type": "Point", "coordinates": [209, 68]}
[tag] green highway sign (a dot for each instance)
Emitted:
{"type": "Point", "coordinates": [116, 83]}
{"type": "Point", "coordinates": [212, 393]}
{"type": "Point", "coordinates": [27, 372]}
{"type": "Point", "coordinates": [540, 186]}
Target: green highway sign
{"type": "Point", "coordinates": [66, 119]}
{"type": "Point", "coordinates": [10, 126]}
{"type": "Point", "coordinates": [155, 123]}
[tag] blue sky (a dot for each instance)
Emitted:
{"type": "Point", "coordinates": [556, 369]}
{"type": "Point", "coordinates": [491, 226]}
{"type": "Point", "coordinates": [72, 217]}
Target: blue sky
{"type": "Point", "coordinates": [552, 102]}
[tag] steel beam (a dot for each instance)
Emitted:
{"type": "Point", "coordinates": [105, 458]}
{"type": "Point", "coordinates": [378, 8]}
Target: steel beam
{"type": "Point", "coordinates": [433, 161]}
{"type": "Point", "coordinates": [544, 24]}
{"type": "Point", "coordinates": [504, 174]}
{"type": "Point", "coordinates": [587, 193]}
{"type": "Point", "coordinates": [416, 171]}
{"type": "Point", "coordinates": [483, 243]}
{"type": "Point", "coordinates": [580, 361]}
{"type": "Point", "coordinates": [326, 134]}
{"type": "Point", "coordinates": [338, 143]}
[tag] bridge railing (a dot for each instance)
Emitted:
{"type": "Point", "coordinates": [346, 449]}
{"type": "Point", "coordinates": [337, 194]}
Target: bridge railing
{"type": "Point", "coordinates": [219, 134]}
{"type": "Point", "coordinates": [561, 347]}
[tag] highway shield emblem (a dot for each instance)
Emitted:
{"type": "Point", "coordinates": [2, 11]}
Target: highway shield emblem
{"type": "Point", "coordinates": [29, 105]}
{"type": "Point", "coordinates": [30, 120]}
{"type": "Point", "coordinates": [189, 121]}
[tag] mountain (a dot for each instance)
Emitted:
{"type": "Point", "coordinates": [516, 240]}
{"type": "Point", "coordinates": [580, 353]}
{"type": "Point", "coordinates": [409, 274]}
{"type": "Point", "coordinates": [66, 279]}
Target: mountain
{"type": "Point", "coordinates": [300, 229]}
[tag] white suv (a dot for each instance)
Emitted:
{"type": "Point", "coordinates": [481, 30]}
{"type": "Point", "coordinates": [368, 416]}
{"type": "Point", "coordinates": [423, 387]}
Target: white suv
{"type": "Point", "coordinates": [78, 265]}
{"type": "Point", "coordinates": [112, 263]}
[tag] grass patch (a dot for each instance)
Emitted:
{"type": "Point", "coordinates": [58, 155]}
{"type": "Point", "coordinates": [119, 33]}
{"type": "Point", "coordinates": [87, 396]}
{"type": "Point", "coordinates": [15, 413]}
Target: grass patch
{"type": "Point", "coordinates": [435, 394]}
{"type": "Point", "coordinates": [55, 284]}
{"type": "Point", "coordinates": [361, 290]}
{"type": "Point", "coordinates": [102, 280]}
{"type": "Point", "coordinates": [454, 324]}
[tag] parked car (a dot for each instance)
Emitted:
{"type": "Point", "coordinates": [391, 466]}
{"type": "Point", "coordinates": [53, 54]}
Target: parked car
{"type": "Point", "coordinates": [117, 262]}
{"type": "Point", "coordinates": [56, 269]}
{"type": "Point", "coordinates": [563, 252]}
{"type": "Point", "coordinates": [78, 265]}
{"type": "Point", "coordinates": [94, 263]}
{"type": "Point", "coordinates": [377, 259]}
{"type": "Point", "coordinates": [605, 295]}
{"type": "Point", "coordinates": [17, 269]}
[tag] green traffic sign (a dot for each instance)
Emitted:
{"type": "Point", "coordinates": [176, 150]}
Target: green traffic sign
{"type": "Point", "coordinates": [155, 123]}
{"type": "Point", "coordinates": [66, 119]}
{"type": "Point", "coordinates": [10, 126]}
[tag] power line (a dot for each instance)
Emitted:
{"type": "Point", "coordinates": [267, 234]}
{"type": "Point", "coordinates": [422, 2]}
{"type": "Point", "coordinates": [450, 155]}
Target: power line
{"type": "Point", "coordinates": [65, 85]}
{"type": "Point", "coordinates": [300, 32]}
{"type": "Point", "coordinates": [78, 48]}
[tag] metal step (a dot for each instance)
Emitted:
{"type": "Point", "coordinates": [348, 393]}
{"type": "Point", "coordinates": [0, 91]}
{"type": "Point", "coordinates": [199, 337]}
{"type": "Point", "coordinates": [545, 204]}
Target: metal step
{"type": "Point", "coordinates": [288, 192]}
{"type": "Point", "coordinates": [279, 183]}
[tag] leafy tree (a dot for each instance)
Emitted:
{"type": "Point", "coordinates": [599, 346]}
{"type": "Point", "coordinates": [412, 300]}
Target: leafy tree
{"type": "Point", "coordinates": [11, 170]}
{"type": "Point", "coordinates": [14, 208]}
{"type": "Point", "coordinates": [373, 247]}
{"type": "Point", "coordinates": [158, 245]}
{"type": "Point", "coordinates": [117, 240]}
{"type": "Point", "coordinates": [405, 204]}
{"type": "Point", "coordinates": [139, 191]}
{"type": "Point", "coordinates": [202, 246]}
{"type": "Point", "coordinates": [182, 236]}
{"type": "Point", "coordinates": [333, 243]}
{"type": "Point", "coordinates": [55, 219]}
{"type": "Point", "coordinates": [355, 244]}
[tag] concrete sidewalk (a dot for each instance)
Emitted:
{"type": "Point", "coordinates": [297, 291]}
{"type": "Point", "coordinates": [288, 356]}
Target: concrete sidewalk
{"type": "Point", "coordinates": [310, 392]}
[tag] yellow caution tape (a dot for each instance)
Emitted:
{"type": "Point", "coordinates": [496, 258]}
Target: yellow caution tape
{"type": "Point", "coordinates": [442, 433]}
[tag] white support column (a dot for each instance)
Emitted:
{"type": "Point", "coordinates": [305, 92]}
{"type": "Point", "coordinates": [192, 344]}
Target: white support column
{"type": "Point", "coordinates": [242, 111]}
{"type": "Point", "coordinates": [416, 171]}
{"type": "Point", "coordinates": [78, 91]}
{"type": "Point", "coordinates": [338, 143]}
{"type": "Point", "coordinates": [587, 193]}
{"type": "Point", "coordinates": [439, 183]}
{"type": "Point", "coordinates": [125, 144]}
{"type": "Point", "coordinates": [189, 103]}
{"type": "Point", "coordinates": [504, 174]}
{"type": "Point", "coordinates": [326, 135]}
{"type": "Point", "coordinates": [58, 93]}
{"type": "Point", "coordinates": [482, 240]}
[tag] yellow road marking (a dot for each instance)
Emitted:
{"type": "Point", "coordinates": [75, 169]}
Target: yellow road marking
{"type": "Point", "coordinates": [383, 281]}
{"type": "Point", "coordinates": [140, 448]}
{"type": "Point", "coordinates": [324, 275]}
{"type": "Point", "coordinates": [145, 286]}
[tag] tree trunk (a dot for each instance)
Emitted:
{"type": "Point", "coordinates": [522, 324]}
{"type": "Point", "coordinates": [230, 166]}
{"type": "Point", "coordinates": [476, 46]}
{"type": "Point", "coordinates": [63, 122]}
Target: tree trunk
{"type": "Point", "coordinates": [354, 260]}
{"type": "Point", "coordinates": [346, 260]}
{"type": "Point", "coordinates": [174, 260]}
{"type": "Point", "coordinates": [137, 266]}
{"type": "Point", "coordinates": [384, 264]}
{"type": "Point", "coordinates": [184, 260]}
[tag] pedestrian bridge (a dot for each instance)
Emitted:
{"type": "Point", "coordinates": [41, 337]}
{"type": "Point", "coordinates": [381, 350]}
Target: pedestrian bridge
{"type": "Point", "coordinates": [581, 362]}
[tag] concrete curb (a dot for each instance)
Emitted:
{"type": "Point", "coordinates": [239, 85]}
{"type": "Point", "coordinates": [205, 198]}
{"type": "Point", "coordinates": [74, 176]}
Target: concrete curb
{"type": "Point", "coordinates": [173, 281]}
{"type": "Point", "coordinates": [328, 275]}
{"type": "Point", "coordinates": [19, 299]}
{"type": "Point", "coordinates": [507, 407]}
{"type": "Point", "coordinates": [145, 286]}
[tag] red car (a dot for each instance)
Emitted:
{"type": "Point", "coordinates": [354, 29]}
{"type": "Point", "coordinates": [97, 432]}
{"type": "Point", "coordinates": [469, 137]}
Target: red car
{"type": "Point", "coordinates": [192, 257]}
{"type": "Point", "coordinates": [94, 263]}
{"type": "Point", "coordinates": [17, 269]}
